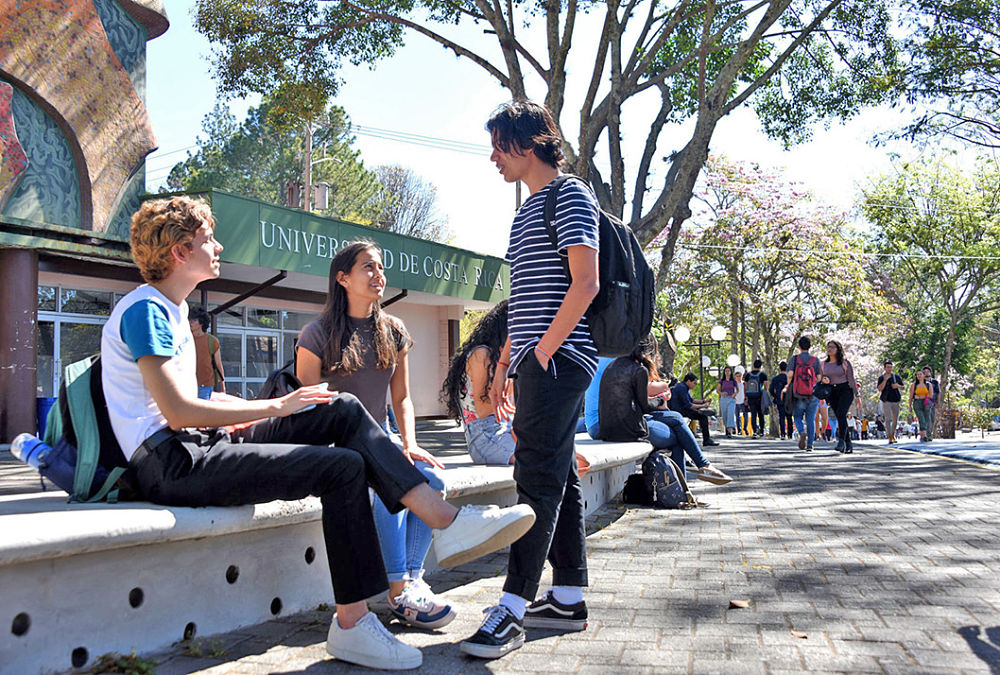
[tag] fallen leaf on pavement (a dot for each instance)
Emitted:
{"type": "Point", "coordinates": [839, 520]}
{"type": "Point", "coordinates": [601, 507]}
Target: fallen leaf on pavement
{"type": "Point", "coordinates": [800, 634]}
{"type": "Point", "coordinates": [739, 604]}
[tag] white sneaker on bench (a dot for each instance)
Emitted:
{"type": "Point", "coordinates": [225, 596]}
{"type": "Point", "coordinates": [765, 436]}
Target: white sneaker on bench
{"type": "Point", "coordinates": [478, 530]}
{"type": "Point", "coordinates": [368, 643]}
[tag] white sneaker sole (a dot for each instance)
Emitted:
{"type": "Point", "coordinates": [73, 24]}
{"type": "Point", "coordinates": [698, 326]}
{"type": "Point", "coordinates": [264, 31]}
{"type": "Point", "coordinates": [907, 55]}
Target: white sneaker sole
{"type": "Point", "coordinates": [490, 651]}
{"type": "Point", "coordinates": [505, 536]}
{"type": "Point", "coordinates": [374, 661]}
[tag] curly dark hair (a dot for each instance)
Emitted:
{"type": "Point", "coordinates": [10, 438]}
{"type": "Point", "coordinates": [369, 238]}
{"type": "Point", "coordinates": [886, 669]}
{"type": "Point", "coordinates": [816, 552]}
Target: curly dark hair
{"type": "Point", "coordinates": [490, 332]}
{"type": "Point", "coordinates": [646, 355]}
{"type": "Point", "coordinates": [520, 127]}
{"type": "Point", "coordinates": [839, 354]}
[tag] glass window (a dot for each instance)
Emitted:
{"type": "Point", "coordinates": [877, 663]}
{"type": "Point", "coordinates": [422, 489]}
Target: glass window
{"type": "Point", "coordinates": [46, 299]}
{"type": "Point", "coordinates": [86, 302]}
{"type": "Point", "coordinates": [231, 317]}
{"type": "Point", "coordinates": [78, 341]}
{"type": "Point", "coordinates": [262, 318]}
{"type": "Point", "coordinates": [253, 388]}
{"type": "Point", "coordinates": [46, 357]}
{"type": "Point", "coordinates": [232, 355]}
{"type": "Point", "coordinates": [296, 320]}
{"type": "Point", "coordinates": [288, 347]}
{"type": "Point", "coordinates": [262, 355]}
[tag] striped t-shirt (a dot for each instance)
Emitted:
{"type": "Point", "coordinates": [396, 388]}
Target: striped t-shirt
{"type": "Point", "coordinates": [538, 280]}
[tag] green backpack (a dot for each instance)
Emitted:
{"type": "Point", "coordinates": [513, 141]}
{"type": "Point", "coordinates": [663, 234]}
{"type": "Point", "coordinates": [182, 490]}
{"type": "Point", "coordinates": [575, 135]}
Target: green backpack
{"type": "Point", "coordinates": [79, 431]}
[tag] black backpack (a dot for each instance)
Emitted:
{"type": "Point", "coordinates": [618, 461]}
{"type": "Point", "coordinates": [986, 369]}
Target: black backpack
{"type": "Point", "coordinates": [622, 313]}
{"type": "Point", "coordinates": [280, 382]}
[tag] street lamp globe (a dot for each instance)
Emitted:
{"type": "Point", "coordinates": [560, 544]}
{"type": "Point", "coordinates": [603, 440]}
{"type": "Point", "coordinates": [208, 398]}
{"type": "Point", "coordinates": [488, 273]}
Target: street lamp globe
{"type": "Point", "coordinates": [682, 334]}
{"type": "Point", "coordinates": [718, 333]}
{"type": "Point", "coordinates": [733, 360]}
{"type": "Point", "coordinates": [706, 362]}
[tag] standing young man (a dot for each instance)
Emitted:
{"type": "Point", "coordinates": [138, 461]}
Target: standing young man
{"type": "Point", "coordinates": [777, 388]}
{"type": "Point", "coordinates": [889, 386]}
{"type": "Point", "coordinates": [552, 357]}
{"type": "Point", "coordinates": [755, 382]}
{"type": "Point", "coordinates": [333, 448]}
{"type": "Point", "coordinates": [805, 371]}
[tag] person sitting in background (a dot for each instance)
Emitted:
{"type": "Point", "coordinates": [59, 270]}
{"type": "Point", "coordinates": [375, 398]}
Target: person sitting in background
{"type": "Point", "coordinates": [681, 401]}
{"type": "Point", "coordinates": [466, 390]}
{"type": "Point", "coordinates": [209, 364]}
{"type": "Point", "coordinates": [632, 406]}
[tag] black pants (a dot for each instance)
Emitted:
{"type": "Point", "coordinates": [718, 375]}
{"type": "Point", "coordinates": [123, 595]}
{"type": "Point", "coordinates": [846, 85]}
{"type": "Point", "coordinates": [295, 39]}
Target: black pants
{"type": "Point", "coordinates": [784, 419]}
{"type": "Point", "coordinates": [546, 476]}
{"type": "Point", "coordinates": [841, 398]}
{"type": "Point", "coordinates": [333, 451]}
{"type": "Point", "coordinates": [756, 415]}
{"type": "Point", "coordinates": [702, 419]}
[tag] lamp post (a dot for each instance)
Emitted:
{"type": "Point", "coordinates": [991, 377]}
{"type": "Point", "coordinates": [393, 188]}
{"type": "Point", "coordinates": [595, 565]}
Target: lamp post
{"type": "Point", "coordinates": [717, 334]}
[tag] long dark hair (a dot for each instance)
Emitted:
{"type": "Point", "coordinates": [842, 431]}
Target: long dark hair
{"type": "Point", "coordinates": [490, 332]}
{"type": "Point", "coordinates": [645, 355]}
{"type": "Point", "coordinates": [342, 353]}
{"type": "Point", "coordinates": [840, 352]}
{"type": "Point", "coordinates": [723, 378]}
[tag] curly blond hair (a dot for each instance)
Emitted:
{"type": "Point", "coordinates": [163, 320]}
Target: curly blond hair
{"type": "Point", "coordinates": [158, 226]}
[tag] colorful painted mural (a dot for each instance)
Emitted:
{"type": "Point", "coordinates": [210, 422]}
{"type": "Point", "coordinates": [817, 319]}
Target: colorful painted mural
{"type": "Point", "coordinates": [58, 53]}
{"type": "Point", "coordinates": [13, 161]}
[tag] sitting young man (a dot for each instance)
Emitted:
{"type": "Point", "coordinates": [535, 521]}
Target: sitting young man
{"type": "Point", "coordinates": [332, 449]}
{"type": "Point", "coordinates": [682, 402]}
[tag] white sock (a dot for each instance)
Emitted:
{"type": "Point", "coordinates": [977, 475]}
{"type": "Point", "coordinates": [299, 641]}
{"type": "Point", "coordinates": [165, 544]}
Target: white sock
{"type": "Point", "coordinates": [567, 595]}
{"type": "Point", "coordinates": [515, 603]}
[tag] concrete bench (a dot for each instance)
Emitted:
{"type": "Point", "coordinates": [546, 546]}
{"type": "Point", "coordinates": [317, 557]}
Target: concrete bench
{"type": "Point", "coordinates": [79, 580]}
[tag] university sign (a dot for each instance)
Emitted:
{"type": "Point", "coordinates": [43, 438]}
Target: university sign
{"type": "Point", "coordinates": [263, 235]}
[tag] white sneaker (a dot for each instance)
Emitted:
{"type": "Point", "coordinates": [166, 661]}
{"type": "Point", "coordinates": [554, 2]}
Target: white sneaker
{"type": "Point", "coordinates": [478, 530]}
{"type": "Point", "coordinates": [369, 644]}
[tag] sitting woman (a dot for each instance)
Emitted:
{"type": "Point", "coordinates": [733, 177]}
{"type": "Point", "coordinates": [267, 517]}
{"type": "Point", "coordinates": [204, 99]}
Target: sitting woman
{"type": "Point", "coordinates": [466, 391]}
{"type": "Point", "coordinates": [632, 406]}
{"type": "Point", "coordinates": [357, 348]}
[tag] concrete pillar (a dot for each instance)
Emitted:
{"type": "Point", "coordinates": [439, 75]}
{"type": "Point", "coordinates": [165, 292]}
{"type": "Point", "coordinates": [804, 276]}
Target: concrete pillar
{"type": "Point", "coordinates": [18, 346]}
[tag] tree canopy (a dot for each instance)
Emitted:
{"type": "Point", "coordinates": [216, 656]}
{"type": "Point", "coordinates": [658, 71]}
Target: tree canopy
{"type": "Point", "coordinates": [796, 61]}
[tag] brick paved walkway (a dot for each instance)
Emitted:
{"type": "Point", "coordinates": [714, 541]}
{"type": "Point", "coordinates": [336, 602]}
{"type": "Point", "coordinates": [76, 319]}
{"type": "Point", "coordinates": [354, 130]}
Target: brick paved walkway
{"type": "Point", "coordinates": [883, 561]}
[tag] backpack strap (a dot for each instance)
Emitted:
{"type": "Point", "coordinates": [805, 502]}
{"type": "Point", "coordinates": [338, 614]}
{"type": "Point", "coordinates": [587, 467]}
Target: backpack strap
{"type": "Point", "coordinates": [550, 216]}
{"type": "Point", "coordinates": [108, 489]}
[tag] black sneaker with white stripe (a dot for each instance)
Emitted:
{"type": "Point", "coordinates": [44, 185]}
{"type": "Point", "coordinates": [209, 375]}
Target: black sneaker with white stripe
{"type": "Point", "coordinates": [500, 633]}
{"type": "Point", "coordinates": [548, 612]}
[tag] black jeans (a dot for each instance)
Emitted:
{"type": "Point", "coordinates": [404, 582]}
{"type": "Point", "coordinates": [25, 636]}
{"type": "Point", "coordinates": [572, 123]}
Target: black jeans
{"type": "Point", "coordinates": [784, 419]}
{"type": "Point", "coordinates": [756, 415]}
{"type": "Point", "coordinates": [546, 476]}
{"type": "Point", "coordinates": [702, 419]}
{"type": "Point", "coordinates": [333, 451]}
{"type": "Point", "coordinates": [841, 398]}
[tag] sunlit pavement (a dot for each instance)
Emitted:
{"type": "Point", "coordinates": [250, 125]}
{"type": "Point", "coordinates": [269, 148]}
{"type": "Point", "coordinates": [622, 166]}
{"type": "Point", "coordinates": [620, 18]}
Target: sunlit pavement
{"type": "Point", "coordinates": [880, 561]}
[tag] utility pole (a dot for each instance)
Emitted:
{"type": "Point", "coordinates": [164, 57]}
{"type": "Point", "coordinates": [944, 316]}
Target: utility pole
{"type": "Point", "coordinates": [307, 182]}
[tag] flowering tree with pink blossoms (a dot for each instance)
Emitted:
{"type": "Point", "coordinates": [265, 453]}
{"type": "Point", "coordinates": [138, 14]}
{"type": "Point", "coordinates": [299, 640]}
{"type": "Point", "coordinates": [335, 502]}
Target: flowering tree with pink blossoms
{"type": "Point", "coordinates": [762, 258]}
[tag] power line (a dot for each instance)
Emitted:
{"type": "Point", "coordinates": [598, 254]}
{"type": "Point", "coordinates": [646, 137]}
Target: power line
{"type": "Point", "coordinates": [807, 252]}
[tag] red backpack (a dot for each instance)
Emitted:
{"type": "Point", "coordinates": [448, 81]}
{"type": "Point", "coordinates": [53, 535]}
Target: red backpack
{"type": "Point", "coordinates": [804, 377]}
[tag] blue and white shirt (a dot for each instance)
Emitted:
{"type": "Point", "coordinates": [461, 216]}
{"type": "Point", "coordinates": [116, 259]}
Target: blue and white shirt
{"type": "Point", "coordinates": [143, 323]}
{"type": "Point", "coordinates": [538, 279]}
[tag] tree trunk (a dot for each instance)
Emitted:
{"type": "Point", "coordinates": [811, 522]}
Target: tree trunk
{"type": "Point", "coordinates": [949, 349]}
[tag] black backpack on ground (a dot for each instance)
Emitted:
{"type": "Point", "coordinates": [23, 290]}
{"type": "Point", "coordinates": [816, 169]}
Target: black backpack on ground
{"type": "Point", "coordinates": [622, 313]}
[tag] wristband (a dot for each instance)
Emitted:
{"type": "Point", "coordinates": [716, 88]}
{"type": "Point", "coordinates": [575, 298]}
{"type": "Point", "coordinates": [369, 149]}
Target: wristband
{"type": "Point", "coordinates": [547, 355]}
{"type": "Point", "coordinates": [501, 363]}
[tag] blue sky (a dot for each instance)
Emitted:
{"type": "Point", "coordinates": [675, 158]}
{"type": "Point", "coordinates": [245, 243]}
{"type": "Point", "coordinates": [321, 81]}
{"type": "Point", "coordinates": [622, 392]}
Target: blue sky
{"type": "Point", "coordinates": [426, 90]}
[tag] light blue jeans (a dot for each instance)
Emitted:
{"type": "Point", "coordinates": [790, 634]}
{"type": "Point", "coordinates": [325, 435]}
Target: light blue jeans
{"type": "Point", "coordinates": [806, 407]}
{"type": "Point", "coordinates": [727, 408]}
{"type": "Point", "coordinates": [404, 538]}
{"type": "Point", "coordinates": [489, 441]}
{"type": "Point", "coordinates": [205, 391]}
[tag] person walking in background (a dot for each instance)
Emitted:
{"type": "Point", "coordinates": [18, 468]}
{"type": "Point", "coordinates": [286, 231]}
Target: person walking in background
{"type": "Point", "coordinates": [740, 399]}
{"type": "Point", "coordinates": [922, 402]}
{"type": "Point", "coordinates": [208, 369]}
{"type": "Point", "coordinates": [726, 390]}
{"type": "Point", "coordinates": [889, 386]}
{"type": "Point", "coordinates": [804, 371]}
{"type": "Point", "coordinates": [755, 383]}
{"type": "Point", "coordinates": [935, 395]}
{"type": "Point", "coordinates": [777, 389]}
{"type": "Point", "coordinates": [838, 372]}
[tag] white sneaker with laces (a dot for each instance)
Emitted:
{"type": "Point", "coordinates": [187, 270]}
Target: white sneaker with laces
{"type": "Point", "coordinates": [369, 644]}
{"type": "Point", "coordinates": [478, 530]}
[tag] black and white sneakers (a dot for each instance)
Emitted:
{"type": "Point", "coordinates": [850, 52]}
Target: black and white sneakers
{"type": "Point", "coordinates": [500, 633]}
{"type": "Point", "coordinates": [547, 612]}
